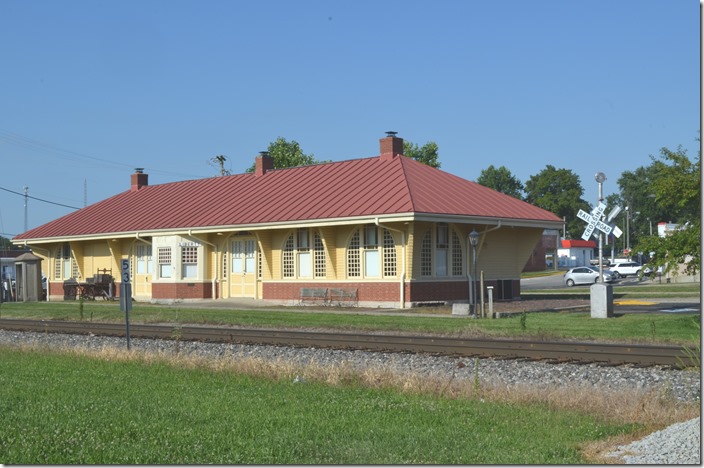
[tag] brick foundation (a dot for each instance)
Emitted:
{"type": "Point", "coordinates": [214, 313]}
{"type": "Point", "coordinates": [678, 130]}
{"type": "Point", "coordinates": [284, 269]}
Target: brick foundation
{"type": "Point", "coordinates": [181, 291]}
{"type": "Point", "coordinates": [416, 291]}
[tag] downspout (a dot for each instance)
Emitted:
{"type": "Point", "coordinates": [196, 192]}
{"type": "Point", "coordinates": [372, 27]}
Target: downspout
{"type": "Point", "coordinates": [48, 257]}
{"type": "Point", "coordinates": [217, 269]}
{"type": "Point", "coordinates": [402, 286]}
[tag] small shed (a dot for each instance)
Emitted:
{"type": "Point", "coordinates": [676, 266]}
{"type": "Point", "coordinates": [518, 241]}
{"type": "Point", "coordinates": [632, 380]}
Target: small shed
{"type": "Point", "coordinates": [28, 268]}
{"type": "Point", "coordinates": [575, 252]}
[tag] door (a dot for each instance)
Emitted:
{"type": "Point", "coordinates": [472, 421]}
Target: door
{"type": "Point", "coordinates": [143, 273]}
{"type": "Point", "coordinates": [243, 267]}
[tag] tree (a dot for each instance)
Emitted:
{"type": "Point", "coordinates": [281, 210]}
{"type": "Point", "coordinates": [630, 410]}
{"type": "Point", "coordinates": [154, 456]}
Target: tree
{"type": "Point", "coordinates": [5, 244]}
{"type": "Point", "coordinates": [288, 154]}
{"type": "Point", "coordinates": [427, 154]}
{"type": "Point", "coordinates": [676, 187]}
{"type": "Point", "coordinates": [676, 184]}
{"type": "Point", "coordinates": [560, 192]}
{"type": "Point", "coordinates": [501, 180]}
{"type": "Point", "coordinates": [636, 193]}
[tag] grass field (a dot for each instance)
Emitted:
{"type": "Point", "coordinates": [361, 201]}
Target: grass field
{"type": "Point", "coordinates": [637, 328]}
{"type": "Point", "coordinates": [119, 407]}
{"type": "Point", "coordinates": [71, 408]}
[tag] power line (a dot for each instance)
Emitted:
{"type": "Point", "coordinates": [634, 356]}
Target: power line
{"type": "Point", "coordinates": [39, 199]}
{"type": "Point", "coordinates": [40, 146]}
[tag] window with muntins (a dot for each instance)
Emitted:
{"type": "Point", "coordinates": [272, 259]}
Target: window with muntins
{"type": "Point", "coordinates": [441, 253]}
{"type": "Point", "coordinates": [319, 251]}
{"type": "Point", "coordinates": [164, 260]}
{"type": "Point", "coordinates": [370, 258]}
{"type": "Point", "coordinates": [426, 255]}
{"type": "Point", "coordinates": [189, 262]}
{"type": "Point", "coordinates": [64, 265]}
{"type": "Point", "coordinates": [299, 259]}
{"type": "Point", "coordinates": [144, 260]}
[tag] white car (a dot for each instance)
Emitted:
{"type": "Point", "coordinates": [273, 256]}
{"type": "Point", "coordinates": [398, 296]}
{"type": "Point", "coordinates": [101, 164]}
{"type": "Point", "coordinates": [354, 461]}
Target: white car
{"type": "Point", "coordinates": [626, 269]}
{"type": "Point", "coordinates": [586, 275]}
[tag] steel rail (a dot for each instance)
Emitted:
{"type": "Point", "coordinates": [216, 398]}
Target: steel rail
{"type": "Point", "coordinates": [607, 353]}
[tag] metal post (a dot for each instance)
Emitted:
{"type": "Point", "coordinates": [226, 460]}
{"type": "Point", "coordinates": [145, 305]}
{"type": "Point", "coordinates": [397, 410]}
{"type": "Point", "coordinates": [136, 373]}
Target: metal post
{"type": "Point", "coordinates": [600, 178]}
{"type": "Point", "coordinates": [474, 240]}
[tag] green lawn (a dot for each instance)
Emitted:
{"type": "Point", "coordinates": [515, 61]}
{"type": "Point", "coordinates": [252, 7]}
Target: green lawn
{"type": "Point", "coordinates": [660, 328]}
{"type": "Point", "coordinates": [70, 409]}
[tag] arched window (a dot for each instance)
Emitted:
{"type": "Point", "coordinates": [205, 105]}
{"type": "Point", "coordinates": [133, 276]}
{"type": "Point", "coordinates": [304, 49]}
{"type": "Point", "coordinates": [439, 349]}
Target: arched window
{"type": "Point", "coordinates": [441, 252]}
{"type": "Point", "coordinates": [367, 257]}
{"type": "Point", "coordinates": [300, 260]}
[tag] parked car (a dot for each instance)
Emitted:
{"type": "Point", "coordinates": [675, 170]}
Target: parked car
{"type": "Point", "coordinates": [626, 269]}
{"type": "Point", "coordinates": [595, 261]}
{"type": "Point", "coordinates": [586, 275]}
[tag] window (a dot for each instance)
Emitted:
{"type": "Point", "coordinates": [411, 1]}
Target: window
{"type": "Point", "coordinates": [441, 252]}
{"type": "Point", "coordinates": [389, 254]}
{"type": "Point", "coordinates": [289, 267]}
{"type": "Point", "coordinates": [299, 260]}
{"type": "Point", "coordinates": [456, 255]}
{"type": "Point", "coordinates": [64, 265]}
{"type": "Point", "coordinates": [426, 255]}
{"type": "Point", "coordinates": [304, 261]}
{"type": "Point", "coordinates": [144, 260]}
{"type": "Point", "coordinates": [250, 251]}
{"type": "Point", "coordinates": [244, 256]}
{"type": "Point", "coordinates": [354, 269]}
{"type": "Point", "coordinates": [189, 262]}
{"type": "Point", "coordinates": [164, 259]}
{"type": "Point", "coordinates": [319, 250]}
{"type": "Point", "coordinates": [371, 258]}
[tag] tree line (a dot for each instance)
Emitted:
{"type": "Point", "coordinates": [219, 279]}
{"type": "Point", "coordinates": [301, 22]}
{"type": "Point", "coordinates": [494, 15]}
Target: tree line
{"type": "Point", "coordinates": [668, 189]}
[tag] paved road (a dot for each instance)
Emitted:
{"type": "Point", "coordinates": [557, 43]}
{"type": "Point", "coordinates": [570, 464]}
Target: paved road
{"type": "Point", "coordinates": [557, 281]}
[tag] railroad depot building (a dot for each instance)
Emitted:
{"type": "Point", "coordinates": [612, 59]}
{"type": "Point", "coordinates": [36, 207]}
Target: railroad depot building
{"type": "Point", "coordinates": [391, 229]}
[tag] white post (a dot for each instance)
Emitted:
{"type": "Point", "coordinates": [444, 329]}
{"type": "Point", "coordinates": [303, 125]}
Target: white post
{"type": "Point", "coordinates": [490, 293]}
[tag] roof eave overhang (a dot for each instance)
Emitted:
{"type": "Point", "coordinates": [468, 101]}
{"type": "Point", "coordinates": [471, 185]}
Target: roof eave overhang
{"type": "Point", "coordinates": [386, 218]}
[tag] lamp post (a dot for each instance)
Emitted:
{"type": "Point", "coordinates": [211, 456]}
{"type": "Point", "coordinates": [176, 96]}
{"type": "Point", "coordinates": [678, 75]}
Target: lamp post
{"type": "Point", "coordinates": [628, 234]}
{"type": "Point", "coordinates": [474, 240]}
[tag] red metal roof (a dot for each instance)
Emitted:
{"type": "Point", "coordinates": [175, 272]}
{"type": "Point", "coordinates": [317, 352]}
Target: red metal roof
{"type": "Point", "coordinates": [569, 243]}
{"type": "Point", "coordinates": [361, 187]}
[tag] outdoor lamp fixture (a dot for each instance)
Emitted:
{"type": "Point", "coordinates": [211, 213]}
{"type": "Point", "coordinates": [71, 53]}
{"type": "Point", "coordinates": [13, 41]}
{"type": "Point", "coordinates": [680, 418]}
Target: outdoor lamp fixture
{"type": "Point", "coordinates": [474, 240]}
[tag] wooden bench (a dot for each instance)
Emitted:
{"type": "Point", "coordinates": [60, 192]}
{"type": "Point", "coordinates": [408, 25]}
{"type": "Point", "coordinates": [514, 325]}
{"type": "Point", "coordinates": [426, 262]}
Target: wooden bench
{"type": "Point", "coordinates": [342, 296]}
{"type": "Point", "coordinates": [317, 295]}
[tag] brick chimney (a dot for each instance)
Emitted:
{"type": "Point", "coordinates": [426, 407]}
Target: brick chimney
{"type": "Point", "coordinates": [390, 146]}
{"type": "Point", "coordinates": [139, 179]}
{"type": "Point", "coordinates": [263, 163]}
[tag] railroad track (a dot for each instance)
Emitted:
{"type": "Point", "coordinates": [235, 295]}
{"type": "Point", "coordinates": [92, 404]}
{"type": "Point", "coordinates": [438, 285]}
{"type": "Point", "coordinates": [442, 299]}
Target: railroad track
{"type": "Point", "coordinates": [605, 353]}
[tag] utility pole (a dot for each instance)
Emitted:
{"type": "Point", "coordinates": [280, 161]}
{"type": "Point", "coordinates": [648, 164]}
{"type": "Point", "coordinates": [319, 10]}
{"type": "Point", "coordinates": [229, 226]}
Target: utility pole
{"type": "Point", "coordinates": [26, 192]}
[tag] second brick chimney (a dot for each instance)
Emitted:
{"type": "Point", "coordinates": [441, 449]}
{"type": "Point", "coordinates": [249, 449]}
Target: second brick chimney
{"type": "Point", "coordinates": [263, 163]}
{"type": "Point", "coordinates": [139, 179]}
{"type": "Point", "coordinates": [390, 146]}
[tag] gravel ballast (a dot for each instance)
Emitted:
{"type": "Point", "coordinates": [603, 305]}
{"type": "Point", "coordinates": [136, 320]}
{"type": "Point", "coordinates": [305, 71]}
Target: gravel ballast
{"type": "Point", "coordinates": [679, 444]}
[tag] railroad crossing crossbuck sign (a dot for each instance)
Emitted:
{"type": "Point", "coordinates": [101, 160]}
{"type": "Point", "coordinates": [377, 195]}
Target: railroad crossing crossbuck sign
{"type": "Point", "coordinates": [594, 221]}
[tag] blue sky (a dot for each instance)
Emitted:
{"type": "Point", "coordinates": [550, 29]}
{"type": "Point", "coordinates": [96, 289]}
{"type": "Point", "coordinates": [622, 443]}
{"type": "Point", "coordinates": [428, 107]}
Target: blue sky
{"type": "Point", "coordinates": [90, 90]}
